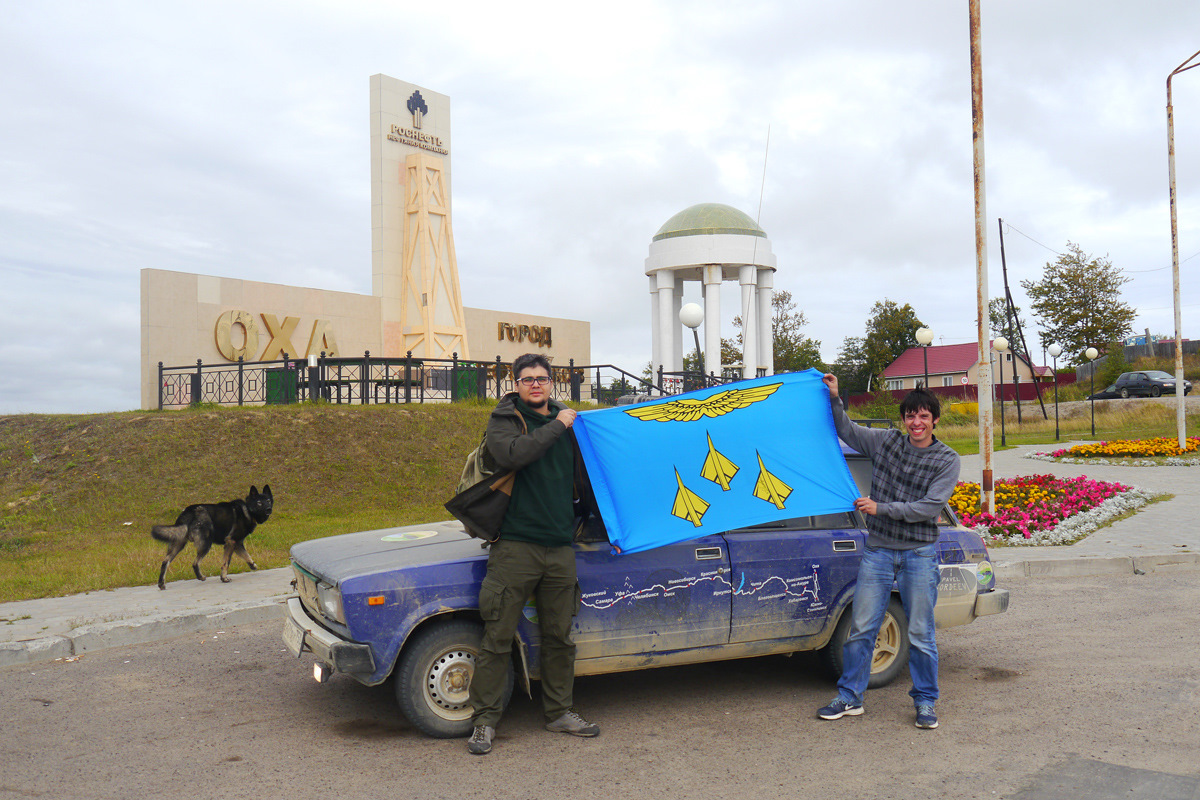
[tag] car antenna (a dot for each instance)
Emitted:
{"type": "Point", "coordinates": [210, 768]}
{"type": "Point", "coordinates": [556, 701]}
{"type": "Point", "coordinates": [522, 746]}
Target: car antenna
{"type": "Point", "coordinates": [761, 188]}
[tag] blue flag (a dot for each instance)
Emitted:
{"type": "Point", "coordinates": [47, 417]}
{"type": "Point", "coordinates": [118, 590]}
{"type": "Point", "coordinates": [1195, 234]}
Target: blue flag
{"type": "Point", "coordinates": [711, 460]}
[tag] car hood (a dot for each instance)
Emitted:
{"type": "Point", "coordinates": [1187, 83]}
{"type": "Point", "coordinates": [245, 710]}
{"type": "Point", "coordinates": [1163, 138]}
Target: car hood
{"type": "Point", "coordinates": [337, 558]}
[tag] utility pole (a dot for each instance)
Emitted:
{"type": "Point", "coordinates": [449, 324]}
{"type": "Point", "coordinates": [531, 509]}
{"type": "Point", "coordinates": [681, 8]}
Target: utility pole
{"type": "Point", "coordinates": [1180, 415]}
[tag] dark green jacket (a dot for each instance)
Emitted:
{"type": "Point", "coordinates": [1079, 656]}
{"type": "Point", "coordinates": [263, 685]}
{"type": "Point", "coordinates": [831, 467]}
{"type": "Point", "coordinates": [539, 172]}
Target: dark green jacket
{"type": "Point", "coordinates": [513, 448]}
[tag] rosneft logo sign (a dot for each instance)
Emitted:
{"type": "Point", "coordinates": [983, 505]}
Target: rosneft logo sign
{"type": "Point", "coordinates": [413, 136]}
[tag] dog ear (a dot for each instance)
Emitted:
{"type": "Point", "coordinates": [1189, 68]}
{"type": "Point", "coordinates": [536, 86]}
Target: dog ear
{"type": "Point", "coordinates": [253, 491]}
{"type": "Point", "coordinates": [266, 490]}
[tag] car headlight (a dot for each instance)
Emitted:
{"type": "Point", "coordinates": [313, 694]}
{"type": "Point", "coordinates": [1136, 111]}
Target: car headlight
{"type": "Point", "coordinates": [330, 601]}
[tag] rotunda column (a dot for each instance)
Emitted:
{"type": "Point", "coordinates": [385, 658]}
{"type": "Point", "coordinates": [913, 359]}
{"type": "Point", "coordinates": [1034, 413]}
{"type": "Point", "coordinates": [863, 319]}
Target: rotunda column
{"type": "Point", "coordinates": [667, 320]}
{"type": "Point", "coordinates": [713, 274]}
{"type": "Point", "coordinates": [655, 344]}
{"type": "Point", "coordinates": [677, 327]}
{"type": "Point", "coordinates": [747, 276]}
{"type": "Point", "coordinates": [766, 333]}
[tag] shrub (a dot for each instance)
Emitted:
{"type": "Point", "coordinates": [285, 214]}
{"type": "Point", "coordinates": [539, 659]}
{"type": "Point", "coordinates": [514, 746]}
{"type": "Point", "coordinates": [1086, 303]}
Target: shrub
{"type": "Point", "coordinates": [881, 405]}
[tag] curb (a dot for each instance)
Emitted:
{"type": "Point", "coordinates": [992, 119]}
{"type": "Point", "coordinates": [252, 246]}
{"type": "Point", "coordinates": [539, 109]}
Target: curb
{"type": "Point", "coordinates": [142, 630]}
{"type": "Point", "coordinates": [1095, 565]}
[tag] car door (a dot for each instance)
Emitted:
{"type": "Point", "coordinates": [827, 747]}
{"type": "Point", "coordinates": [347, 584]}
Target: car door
{"type": "Point", "coordinates": [669, 598]}
{"type": "Point", "coordinates": [787, 577]}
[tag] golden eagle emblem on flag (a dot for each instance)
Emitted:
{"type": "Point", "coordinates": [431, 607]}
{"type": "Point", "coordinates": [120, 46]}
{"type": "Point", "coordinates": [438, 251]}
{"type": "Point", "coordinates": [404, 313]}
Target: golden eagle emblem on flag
{"type": "Point", "coordinates": [688, 409]}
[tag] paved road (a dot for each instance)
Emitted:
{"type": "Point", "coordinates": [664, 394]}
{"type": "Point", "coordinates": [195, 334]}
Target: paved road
{"type": "Point", "coordinates": [1087, 687]}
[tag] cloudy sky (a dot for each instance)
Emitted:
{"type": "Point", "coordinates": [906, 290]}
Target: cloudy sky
{"type": "Point", "coordinates": [232, 139]}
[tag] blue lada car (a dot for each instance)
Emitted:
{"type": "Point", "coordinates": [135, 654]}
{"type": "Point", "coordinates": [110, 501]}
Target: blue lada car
{"type": "Point", "coordinates": [402, 603]}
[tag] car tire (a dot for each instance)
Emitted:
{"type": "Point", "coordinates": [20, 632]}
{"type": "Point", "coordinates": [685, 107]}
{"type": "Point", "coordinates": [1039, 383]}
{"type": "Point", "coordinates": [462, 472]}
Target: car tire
{"type": "Point", "coordinates": [433, 677]}
{"type": "Point", "coordinates": [1124, 394]}
{"type": "Point", "coordinates": [891, 646]}
{"type": "Point", "coordinates": [1156, 391]}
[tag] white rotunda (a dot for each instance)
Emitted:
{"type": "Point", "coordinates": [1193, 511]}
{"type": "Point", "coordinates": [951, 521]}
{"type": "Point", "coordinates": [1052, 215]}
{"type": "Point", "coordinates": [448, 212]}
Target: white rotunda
{"type": "Point", "coordinates": [711, 243]}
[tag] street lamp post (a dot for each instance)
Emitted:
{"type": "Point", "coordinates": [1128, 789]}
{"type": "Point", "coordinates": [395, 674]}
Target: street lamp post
{"type": "Point", "coordinates": [1091, 354]}
{"type": "Point", "coordinates": [924, 337]}
{"type": "Point", "coordinates": [692, 315]}
{"type": "Point", "coordinates": [1055, 351]}
{"type": "Point", "coordinates": [1001, 346]}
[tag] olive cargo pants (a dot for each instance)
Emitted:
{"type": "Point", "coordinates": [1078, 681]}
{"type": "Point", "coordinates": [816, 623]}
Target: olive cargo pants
{"type": "Point", "coordinates": [515, 571]}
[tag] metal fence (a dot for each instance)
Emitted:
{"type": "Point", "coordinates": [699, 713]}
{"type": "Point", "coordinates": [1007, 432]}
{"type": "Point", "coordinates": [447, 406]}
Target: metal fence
{"type": "Point", "coordinates": [369, 380]}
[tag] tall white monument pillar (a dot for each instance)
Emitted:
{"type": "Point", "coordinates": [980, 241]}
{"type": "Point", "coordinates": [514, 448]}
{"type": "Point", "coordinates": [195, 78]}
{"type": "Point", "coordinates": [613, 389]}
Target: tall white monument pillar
{"type": "Point", "coordinates": [413, 266]}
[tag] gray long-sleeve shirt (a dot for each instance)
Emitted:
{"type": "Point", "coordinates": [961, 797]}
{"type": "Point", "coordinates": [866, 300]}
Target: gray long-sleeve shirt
{"type": "Point", "coordinates": [909, 484]}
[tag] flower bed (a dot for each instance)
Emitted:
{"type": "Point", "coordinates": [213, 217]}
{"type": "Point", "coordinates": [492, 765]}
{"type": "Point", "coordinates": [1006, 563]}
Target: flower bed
{"type": "Point", "coordinates": [1044, 509]}
{"type": "Point", "coordinates": [1158, 447]}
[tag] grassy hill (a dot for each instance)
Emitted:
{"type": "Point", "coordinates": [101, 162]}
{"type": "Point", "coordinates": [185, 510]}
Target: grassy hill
{"type": "Point", "coordinates": [78, 493]}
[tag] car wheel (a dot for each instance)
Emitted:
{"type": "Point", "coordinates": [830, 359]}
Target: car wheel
{"type": "Point", "coordinates": [433, 677]}
{"type": "Point", "coordinates": [1124, 394]}
{"type": "Point", "coordinates": [891, 646]}
{"type": "Point", "coordinates": [1156, 391]}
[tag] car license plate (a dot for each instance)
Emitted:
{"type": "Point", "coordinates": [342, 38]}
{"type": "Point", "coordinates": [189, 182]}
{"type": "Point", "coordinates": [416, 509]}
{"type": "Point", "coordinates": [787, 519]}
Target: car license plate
{"type": "Point", "coordinates": [293, 637]}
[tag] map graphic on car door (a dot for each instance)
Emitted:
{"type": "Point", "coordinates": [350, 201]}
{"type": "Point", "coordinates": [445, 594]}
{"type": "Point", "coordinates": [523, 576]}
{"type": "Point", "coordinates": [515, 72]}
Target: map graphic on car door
{"type": "Point", "coordinates": [787, 575]}
{"type": "Point", "coordinates": [670, 598]}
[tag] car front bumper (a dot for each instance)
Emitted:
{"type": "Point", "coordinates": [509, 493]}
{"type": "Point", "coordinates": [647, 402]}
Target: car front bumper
{"type": "Point", "coordinates": [301, 634]}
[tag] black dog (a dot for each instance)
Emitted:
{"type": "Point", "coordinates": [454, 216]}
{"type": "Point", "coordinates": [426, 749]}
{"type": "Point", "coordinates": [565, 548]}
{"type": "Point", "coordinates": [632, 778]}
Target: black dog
{"type": "Point", "coordinates": [207, 524]}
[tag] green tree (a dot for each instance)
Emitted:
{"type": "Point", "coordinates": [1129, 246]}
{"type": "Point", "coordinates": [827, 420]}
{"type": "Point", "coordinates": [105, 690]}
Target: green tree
{"type": "Point", "coordinates": [851, 366]}
{"type": "Point", "coordinates": [1078, 303]}
{"type": "Point", "coordinates": [1002, 325]}
{"type": "Point", "coordinates": [891, 329]}
{"type": "Point", "coordinates": [793, 351]}
{"type": "Point", "coordinates": [1114, 364]}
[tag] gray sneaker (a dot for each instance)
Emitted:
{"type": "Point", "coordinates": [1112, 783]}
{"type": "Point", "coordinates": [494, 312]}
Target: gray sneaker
{"type": "Point", "coordinates": [573, 724]}
{"type": "Point", "coordinates": [480, 743]}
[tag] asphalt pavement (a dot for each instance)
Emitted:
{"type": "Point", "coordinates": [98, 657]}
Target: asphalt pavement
{"type": "Point", "coordinates": [1161, 536]}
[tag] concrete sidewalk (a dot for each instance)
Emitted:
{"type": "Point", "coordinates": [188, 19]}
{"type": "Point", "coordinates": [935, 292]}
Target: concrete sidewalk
{"type": "Point", "coordinates": [1165, 535]}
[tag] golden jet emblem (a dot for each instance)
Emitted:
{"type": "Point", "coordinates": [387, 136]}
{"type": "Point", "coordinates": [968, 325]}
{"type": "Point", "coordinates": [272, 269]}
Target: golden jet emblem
{"type": "Point", "coordinates": [688, 504]}
{"type": "Point", "coordinates": [717, 468]}
{"type": "Point", "coordinates": [770, 488]}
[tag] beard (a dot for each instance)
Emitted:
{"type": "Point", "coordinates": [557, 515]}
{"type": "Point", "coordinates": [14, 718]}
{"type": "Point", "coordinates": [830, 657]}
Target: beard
{"type": "Point", "coordinates": [537, 405]}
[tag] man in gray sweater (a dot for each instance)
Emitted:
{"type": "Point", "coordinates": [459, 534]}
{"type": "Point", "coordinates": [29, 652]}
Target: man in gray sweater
{"type": "Point", "coordinates": [913, 476]}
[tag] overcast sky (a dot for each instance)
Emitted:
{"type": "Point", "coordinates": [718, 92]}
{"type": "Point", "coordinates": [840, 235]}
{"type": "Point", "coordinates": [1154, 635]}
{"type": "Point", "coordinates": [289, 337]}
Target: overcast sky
{"type": "Point", "coordinates": [232, 139]}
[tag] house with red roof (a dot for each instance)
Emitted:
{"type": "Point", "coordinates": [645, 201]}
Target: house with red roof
{"type": "Point", "coordinates": [955, 366]}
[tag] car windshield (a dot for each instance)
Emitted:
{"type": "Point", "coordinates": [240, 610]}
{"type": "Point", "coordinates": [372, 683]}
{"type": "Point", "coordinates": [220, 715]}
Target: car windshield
{"type": "Point", "coordinates": [1159, 375]}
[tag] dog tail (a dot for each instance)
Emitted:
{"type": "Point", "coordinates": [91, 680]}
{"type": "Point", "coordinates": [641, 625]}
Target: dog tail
{"type": "Point", "coordinates": [170, 534]}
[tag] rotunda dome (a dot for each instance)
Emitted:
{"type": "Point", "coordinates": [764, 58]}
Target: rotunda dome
{"type": "Point", "coordinates": [708, 219]}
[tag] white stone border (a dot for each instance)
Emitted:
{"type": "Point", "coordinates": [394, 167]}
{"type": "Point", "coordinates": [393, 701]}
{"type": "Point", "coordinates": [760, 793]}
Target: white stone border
{"type": "Point", "coordinates": [1172, 461]}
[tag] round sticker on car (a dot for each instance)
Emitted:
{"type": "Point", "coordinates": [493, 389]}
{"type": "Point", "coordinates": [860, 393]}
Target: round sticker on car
{"type": "Point", "coordinates": [408, 536]}
{"type": "Point", "coordinates": [985, 573]}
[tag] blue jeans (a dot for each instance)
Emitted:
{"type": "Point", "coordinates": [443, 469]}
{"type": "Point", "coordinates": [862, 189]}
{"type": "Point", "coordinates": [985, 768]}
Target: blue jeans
{"type": "Point", "coordinates": [916, 574]}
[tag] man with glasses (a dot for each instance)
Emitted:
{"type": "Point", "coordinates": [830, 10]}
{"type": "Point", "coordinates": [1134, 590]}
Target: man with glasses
{"type": "Point", "coordinates": [913, 476]}
{"type": "Point", "coordinates": [530, 433]}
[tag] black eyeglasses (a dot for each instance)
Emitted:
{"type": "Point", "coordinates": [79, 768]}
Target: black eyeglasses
{"type": "Point", "coordinates": [530, 380]}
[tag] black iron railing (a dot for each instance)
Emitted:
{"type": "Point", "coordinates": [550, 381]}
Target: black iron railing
{"type": "Point", "coordinates": [369, 379]}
